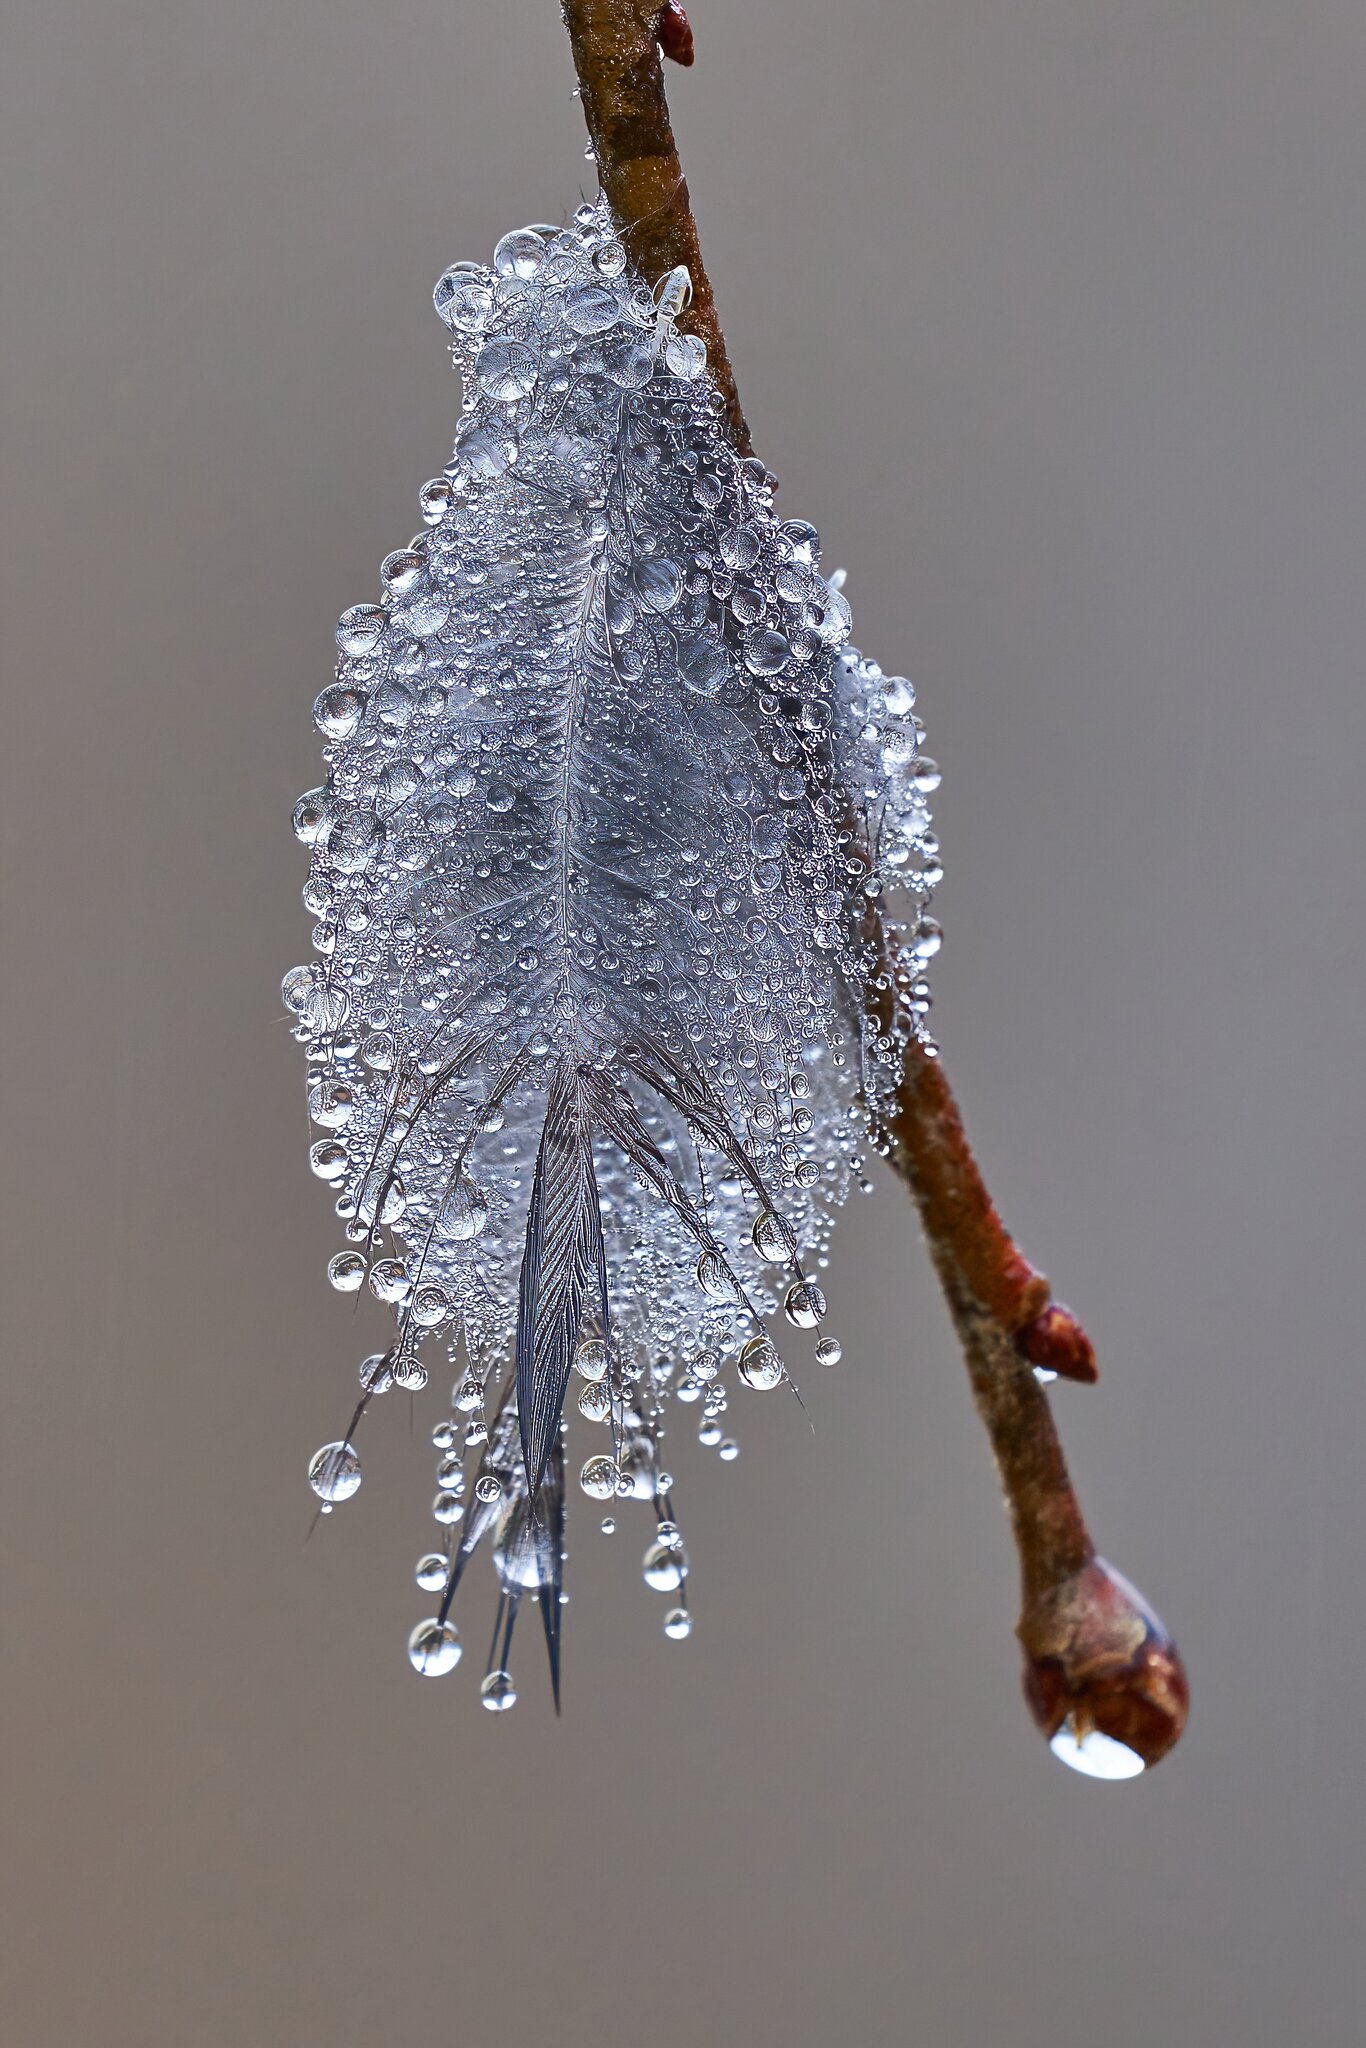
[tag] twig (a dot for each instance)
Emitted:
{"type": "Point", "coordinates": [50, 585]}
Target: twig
{"type": "Point", "coordinates": [1095, 1654]}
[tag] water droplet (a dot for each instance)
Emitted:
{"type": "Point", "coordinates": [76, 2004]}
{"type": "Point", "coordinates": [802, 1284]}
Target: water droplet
{"type": "Point", "coordinates": [432, 1571]}
{"type": "Point", "coordinates": [664, 1568]}
{"type": "Point", "coordinates": [677, 1624]}
{"type": "Point", "coordinates": [430, 1307]}
{"type": "Point", "coordinates": [462, 301]}
{"type": "Point", "coordinates": [713, 1278]}
{"type": "Point", "coordinates": [360, 629]}
{"type": "Point", "coordinates": [377, 1372]}
{"type": "Point", "coordinates": [608, 1525]}
{"type": "Point", "coordinates": [769, 1239]}
{"type": "Point", "coordinates": [488, 1488]}
{"type": "Point", "coordinates": [346, 1271]}
{"type": "Point", "coordinates": [337, 711]}
{"type": "Point", "coordinates": [507, 370]}
{"type": "Point", "coordinates": [829, 1351]}
{"type": "Point", "coordinates": [595, 1401]}
{"type": "Point", "coordinates": [448, 1508]}
{"type": "Point", "coordinates": [434, 1648]}
{"type": "Point", "coordinates": [1095, 1755]}
{"type": "Point", "coordinates": [657, 583]}
{"type": "Point", "coordinates": [355, 840]}
{"type": "Point", "coordinates": [704, 666]}
{"type": "Point", "coordinates": [498, 1692]}
{"type": "Point", "coordinates": [328, 1160]}
{"type": "Point", "coordinates": [599, 1478]}
{"type": "Point", "coordinates": [334, 1472]}
{"type": "Point", "coordinates": [592, 308]}
{"type": "Point", "coordinates": [685, 355]}
{"type": "Point", "coordinates": [519, 254]}
{"type": "Point", "coordinates": [805, 1304]}
{"type": "Point", "coordinates": [729, 1450]}
{"type": "Point", "coordinates": [760, 1366]}
{"type": "Point", "coordinates": [592, 1358]}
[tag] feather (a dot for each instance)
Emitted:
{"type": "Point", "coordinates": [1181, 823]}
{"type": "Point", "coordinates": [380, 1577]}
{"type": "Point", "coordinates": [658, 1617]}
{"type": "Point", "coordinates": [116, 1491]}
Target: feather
{"type": "Point", "coordinates": [563, 1258]}
{"type": "Point", "coordinates": [589, 932]}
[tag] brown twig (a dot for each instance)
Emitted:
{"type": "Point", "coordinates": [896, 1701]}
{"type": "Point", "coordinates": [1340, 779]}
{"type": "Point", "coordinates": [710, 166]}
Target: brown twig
{"type": "Point", "coordinates": [1095, 1654]}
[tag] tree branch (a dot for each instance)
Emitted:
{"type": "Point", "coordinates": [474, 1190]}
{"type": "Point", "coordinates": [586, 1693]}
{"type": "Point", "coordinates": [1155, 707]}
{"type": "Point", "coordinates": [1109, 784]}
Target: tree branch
{"type": "Point", "coordinates": [1096, 1657]}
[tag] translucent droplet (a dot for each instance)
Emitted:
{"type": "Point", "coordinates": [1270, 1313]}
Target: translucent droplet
{"type": "Point", "coordinates": [432, 1572]}
{"type": "Point", "coordinates": [337, 711]}
{"type": "Point", "coordinates": [507, 370]}
{"type": "Point", "coordinates": [657, 583]}
{"type": "Point", "coordinates": [400, 570]}
{"type": "Point", "coordinates": [434, 1648]}
{"type": "Point", "coordinates": [769, 1239]}
{"type": "Point", "coordinates": [498, 1692]}
{"type": "Point", "coordinates": [435, 500]}
{"type": "Point", "coordinates": [592, 308]}
{"type": "Point", "coordinates": [1095, 1755]}
{"type": "Point", "coordinates": [760, 1366]}
{"type": "Point", "coordinates": [664, 1568]}
{"type": "Point", "coordinates": [519, 254]}
{"type": "Point", "coordinates": [448, 1508]}
{"type": "Point", "coordinates": [685, 355]}
{"type": "Point", "coordinates": [389, 1280]}
{"type": "Point", "coordinates": [677, 1624]}
{"type": "Point", "coordinates": [377, 1372]}
{"type": "Point", "coordinates": [360, 629]}
{"type": "Point", "coordinates": [608, 1525]}
{"type": "Point", "coordinates": [334, 1472]}
{"type": "Point", "coordinates": [592, 1358]}
{"type": "Point", "coordinates": [829, 1351]}
{"type": "Point", "coordinates": [313, 814]}
{"type": "Point", "coordinates": [729, 1450]}
{"type": "Point", "coordinates": [346, 1271]}
{"type": "Point", "coordinates": [595, 1401]}
{"type": "Point", "coordinates": [332, 1104]}
{"type": "Point", "coordinates": [713, 1278]}
{"type": "Point", "coordinates": [599, 1478]}
{"type": "Point", "coordinates": [704, 666]}
{"type": "Point", "coordinates": [488, 1487]}
{"type": "Point", "coordinates": [465, 1214]}
{"type": "Point", "coordinates": [328, 1160]}
{"type": "Point", "coordinates": [805, 1304]}
{"type": "Point", "coordinates": [355, 840]}
{"type": "Point", "coordinates": [463, 302]}
{"type": "Point", "coordinates": [430, 1307]}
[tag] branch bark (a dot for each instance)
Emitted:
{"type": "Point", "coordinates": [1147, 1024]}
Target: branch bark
{"type": "Point", "coordinates": [1096, 1657]}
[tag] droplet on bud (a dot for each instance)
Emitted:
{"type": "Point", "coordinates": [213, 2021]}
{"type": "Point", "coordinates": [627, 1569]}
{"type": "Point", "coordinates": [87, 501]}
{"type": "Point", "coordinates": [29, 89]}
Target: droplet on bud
{"type": "Point", "coordinates": [1095, 1755]}
{"type": "Point", "coordinates": [1100, 1669]}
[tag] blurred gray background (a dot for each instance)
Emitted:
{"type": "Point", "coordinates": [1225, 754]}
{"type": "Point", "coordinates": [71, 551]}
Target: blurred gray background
{"type": "Point", "coordinates": [1052, 316]}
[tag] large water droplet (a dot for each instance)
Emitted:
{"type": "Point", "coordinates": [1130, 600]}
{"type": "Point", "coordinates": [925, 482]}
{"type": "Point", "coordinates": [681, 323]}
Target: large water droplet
{"type": "Point", "coordinates": [760, 1366]}
{"type": "Point", "coordinates": [434, 1648]}
{"type": "Point", "coordinates": [334, 1472]}
{"type": "Point", "coordinates": [664, 1568]}
{"type": "Point", "coordinates": [599, 1478]}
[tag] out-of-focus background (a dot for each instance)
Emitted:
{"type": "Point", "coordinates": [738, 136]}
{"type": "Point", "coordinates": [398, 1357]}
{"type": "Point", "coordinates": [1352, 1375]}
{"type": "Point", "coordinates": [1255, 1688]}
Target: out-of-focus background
{"type": "Point", "coordinates": [1052, 316]}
